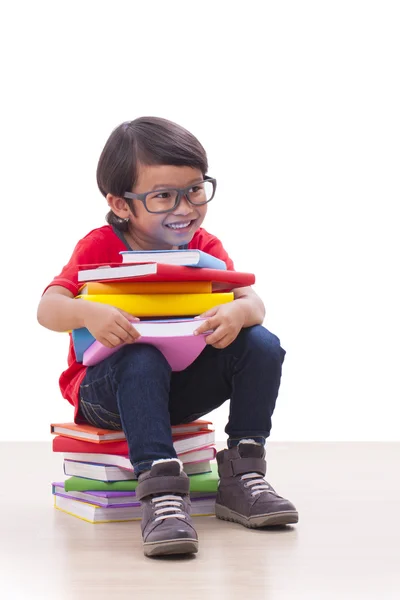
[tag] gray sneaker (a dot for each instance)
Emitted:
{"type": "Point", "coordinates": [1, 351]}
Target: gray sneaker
{"type": "Point", "coordinates": [243, 494]}
{"type": "Point", "coordinates": [166, 525]}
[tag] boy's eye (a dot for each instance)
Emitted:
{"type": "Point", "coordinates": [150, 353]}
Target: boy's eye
{"type": "Point", "coordinates": [163, 195]}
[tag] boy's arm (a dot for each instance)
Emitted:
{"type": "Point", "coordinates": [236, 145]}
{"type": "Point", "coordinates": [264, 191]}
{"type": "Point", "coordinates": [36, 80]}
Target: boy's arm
{"type": "Point", "coordinates": [59, 311]}
{"type": "Point", "coordinates": [251, 304]}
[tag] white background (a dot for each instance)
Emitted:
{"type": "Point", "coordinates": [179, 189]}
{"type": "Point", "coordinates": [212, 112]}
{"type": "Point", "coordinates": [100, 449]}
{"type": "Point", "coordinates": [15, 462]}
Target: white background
{"type": "Point", "coordinates": [297, 104]}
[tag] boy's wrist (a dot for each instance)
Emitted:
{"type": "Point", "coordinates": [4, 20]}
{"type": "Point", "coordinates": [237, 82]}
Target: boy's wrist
{"type": "Point", "coordinates": [83, 306]}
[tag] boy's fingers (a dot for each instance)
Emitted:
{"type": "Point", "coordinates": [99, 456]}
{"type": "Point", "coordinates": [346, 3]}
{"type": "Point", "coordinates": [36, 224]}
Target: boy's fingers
{"type": "Point", "coordinates": [215, 337]}
{"type": "Point", "coordinates": [208, 313]}
{"type": "Point", "coordinates": [128, 315]}
{"type": "Point", "coordinates": [206, 326]}
{"type": "Point", "coordinates": [127, 332]}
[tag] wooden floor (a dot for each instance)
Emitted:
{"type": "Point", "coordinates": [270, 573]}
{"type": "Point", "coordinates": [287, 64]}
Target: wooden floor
{"type": "Point", "coordinates": [345, 546]}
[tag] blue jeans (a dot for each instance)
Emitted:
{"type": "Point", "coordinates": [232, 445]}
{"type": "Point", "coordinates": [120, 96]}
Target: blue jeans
{"type": "Point", "coordinates": [135, 390]}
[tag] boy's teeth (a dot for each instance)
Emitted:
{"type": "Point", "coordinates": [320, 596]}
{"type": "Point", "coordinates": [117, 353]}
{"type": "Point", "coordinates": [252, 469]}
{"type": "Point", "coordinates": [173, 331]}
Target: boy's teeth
{"type": "Point", "coordinates": [178, 225]}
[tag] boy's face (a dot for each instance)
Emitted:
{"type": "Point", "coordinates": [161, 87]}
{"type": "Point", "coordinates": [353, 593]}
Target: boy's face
{"type": "Point", "coordinates": [159, 231]}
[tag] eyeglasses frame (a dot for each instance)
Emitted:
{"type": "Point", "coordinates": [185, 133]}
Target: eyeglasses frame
{"type": "Point", "coordinates": [181, 192]}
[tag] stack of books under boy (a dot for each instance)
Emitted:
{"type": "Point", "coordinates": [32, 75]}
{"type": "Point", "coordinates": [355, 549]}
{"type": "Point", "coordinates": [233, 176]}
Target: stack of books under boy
{"type": "Point", "coordinates": [101, 484]}
{"type": "Point", "coordinates": [166, 290]}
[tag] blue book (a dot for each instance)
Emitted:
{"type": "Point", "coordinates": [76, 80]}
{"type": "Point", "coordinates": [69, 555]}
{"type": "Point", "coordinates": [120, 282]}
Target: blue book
{"type": "Point", "coordinates": [81, 339]}
{"type": "Point", "coordinates": [186, 258]}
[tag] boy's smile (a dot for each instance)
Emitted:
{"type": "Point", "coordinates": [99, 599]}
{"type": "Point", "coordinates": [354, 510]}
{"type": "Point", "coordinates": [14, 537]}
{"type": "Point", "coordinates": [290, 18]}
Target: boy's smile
{"type": "Point", "coordinates": [167, 230]}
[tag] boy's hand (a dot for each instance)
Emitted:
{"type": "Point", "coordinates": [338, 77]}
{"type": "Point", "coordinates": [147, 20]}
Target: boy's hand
{"type": "Point", "coordinates": [109, 325]}
{"type": "Point", "coordinates": [226, 320]}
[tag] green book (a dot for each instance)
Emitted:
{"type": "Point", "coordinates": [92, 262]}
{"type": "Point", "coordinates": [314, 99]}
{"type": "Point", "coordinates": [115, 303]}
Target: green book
{"type": "Point", "coordinates": [207, 482]}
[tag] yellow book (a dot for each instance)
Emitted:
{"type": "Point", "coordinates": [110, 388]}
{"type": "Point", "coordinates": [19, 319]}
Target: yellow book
{"type": "Point", "coordinates": [162, 305]}
{"type": "Point", "coordinates": [150, 287]}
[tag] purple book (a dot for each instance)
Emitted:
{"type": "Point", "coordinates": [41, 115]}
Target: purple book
{"type": "Point", "coordinates": [104, 499]}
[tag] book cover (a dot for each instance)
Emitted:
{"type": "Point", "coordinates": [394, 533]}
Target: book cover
{"type": "Point", "coordinates": [161, 305]}
{"type": "Point", "coordinates": [89, 434]}
{"type": "Point", "coordinates": [188, 257]}
{"type": "Point", "coordinates": [96, 471]}
{"type": "Point", "coordinates": [105, 472]}
{"type": "Point", "coordinates": [83, 431]}
{"type": "Point", "coordinates": [96, 514]}
{"type": "Point", "coordinates": [179, 351]}
{"type": "Point", "coordinates": [221, 280]}
{"type": "Point", "coordinates": [114, 498]}
{"type": "Point", "coordinates": [151, 332]}
{"type": "Point", "coordinates": [129, 498]}
{"type": "Point", "coordinates": [123, 462]}
{"type": "Point", "coordinates": [110, 514]}
{"type": "Point", "coordinates": [150, 287]}
{"type": "Point", "coordinates": [98, 498]}
{"type": "Point", "coordinates": [105, 271]}
{"type": "Point", "coordinates": [182, 443]}
{"type": "Point", "coordinates": [207, 482]}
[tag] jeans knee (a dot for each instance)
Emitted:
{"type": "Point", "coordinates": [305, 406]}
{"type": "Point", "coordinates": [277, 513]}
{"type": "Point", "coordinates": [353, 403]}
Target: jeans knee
{"type": "Point", "coordinates": [265, 343]}
{"type": "Point", "coordinates": [144, 359]}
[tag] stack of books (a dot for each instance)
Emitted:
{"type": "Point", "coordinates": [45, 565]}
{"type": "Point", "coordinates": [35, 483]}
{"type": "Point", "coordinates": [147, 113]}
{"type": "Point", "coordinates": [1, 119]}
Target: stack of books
{"type": "Point", "coordinates": [101, 483]}
{"type": "Point", "coordinates": [165, 294]}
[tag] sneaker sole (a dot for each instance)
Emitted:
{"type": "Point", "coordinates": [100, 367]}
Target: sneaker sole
{"type": "Point", "coordinates": [269, 519]}
{"type": "Point", "coordinates": [178, 546]}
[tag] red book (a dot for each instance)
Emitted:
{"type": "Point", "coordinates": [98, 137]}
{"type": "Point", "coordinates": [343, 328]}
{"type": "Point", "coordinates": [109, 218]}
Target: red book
{"type": "Point", "coordinates": [90, 434]}
{"type": "Point", "coordinates": [182, 443]}
{"type": "Point", "coordinates": [221, 280]}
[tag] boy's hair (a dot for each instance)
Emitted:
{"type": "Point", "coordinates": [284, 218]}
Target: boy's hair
{"type": "Point", "coordinates": [146, 140]}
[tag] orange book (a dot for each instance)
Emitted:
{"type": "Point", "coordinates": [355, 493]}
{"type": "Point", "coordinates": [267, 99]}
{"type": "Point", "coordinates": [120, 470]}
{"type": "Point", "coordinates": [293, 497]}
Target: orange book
{"type": "Point", "coordinates": [151, 287]}
{"type": "Point", "coordinates": [81, 431]}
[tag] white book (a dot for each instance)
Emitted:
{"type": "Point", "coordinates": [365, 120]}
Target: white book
{"type": "Point", "coordinates": [117, 272]}
{"type": "Point", "coordinates": [123, 462]}
{"type": "Point", "coordinates": [110, 473]}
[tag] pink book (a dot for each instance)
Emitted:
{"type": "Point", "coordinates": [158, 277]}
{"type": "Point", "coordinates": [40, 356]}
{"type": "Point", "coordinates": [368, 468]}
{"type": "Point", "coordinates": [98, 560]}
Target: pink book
{"type": "Point", "coordinates": [174, 338]}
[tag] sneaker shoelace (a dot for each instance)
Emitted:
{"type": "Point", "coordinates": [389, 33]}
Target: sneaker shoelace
{"type": "Point", "coordinates": [170, 504]}
{"type": "Point", "coordinates": [257, 484]}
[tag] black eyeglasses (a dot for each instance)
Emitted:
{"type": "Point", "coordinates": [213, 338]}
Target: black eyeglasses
{"type": "Point", "coordinates": [166, 200]}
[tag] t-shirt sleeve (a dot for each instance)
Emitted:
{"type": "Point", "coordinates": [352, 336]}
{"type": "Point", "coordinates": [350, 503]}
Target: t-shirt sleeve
{"type": "Point", "coordinates": [88, 250]}
{"type": "Point", "coordinates": [212, 245]}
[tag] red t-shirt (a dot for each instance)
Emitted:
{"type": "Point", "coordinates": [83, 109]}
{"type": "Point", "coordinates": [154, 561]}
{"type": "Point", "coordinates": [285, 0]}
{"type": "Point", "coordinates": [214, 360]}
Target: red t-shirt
{"type": "Point", "coordinates": [102, 245]}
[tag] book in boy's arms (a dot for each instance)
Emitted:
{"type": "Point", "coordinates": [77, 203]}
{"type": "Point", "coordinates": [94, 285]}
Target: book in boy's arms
{"type": "Point", "coordinates": [82, 338]}
{"type": "Point", "coordinates": [149, 287]}
{"type": "Point", "coordinates": [104, 472]}
{"type": "Point", "coordinates": [187, 257]}
{"type": "Point", "coordinates": [97, 514]}
{"type": "Point", "coordinates": [151, 331]}
{"type": "Point", "coordinates": [179, 349]}
{"type": "Point", "coordinates": [88, 433]}
{"type": "Point", "coordinates": [149, 272]}
{"type": "Point", "coordinates": [123, 462]}
{"type": "Point", "coordinates": [182, 443]}
{"type": "Point", "coordinates": [116, 498]}
{"type": "Point", "coordinates": [206, 483]}
{"type": "Point", "coordinates": [161, 305]}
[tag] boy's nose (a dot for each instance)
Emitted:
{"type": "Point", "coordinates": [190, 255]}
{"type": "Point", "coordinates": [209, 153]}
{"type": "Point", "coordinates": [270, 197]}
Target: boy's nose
{"type": "Point", "coordinates": [184, 207]}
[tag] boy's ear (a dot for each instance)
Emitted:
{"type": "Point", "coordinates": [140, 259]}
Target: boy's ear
{"type": "Point", "coordinates": [118, 205]}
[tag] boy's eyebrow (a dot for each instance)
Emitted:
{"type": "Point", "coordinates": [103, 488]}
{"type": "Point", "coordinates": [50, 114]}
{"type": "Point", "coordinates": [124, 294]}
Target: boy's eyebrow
{"type": "Point", "coordinates": [169, 186]}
